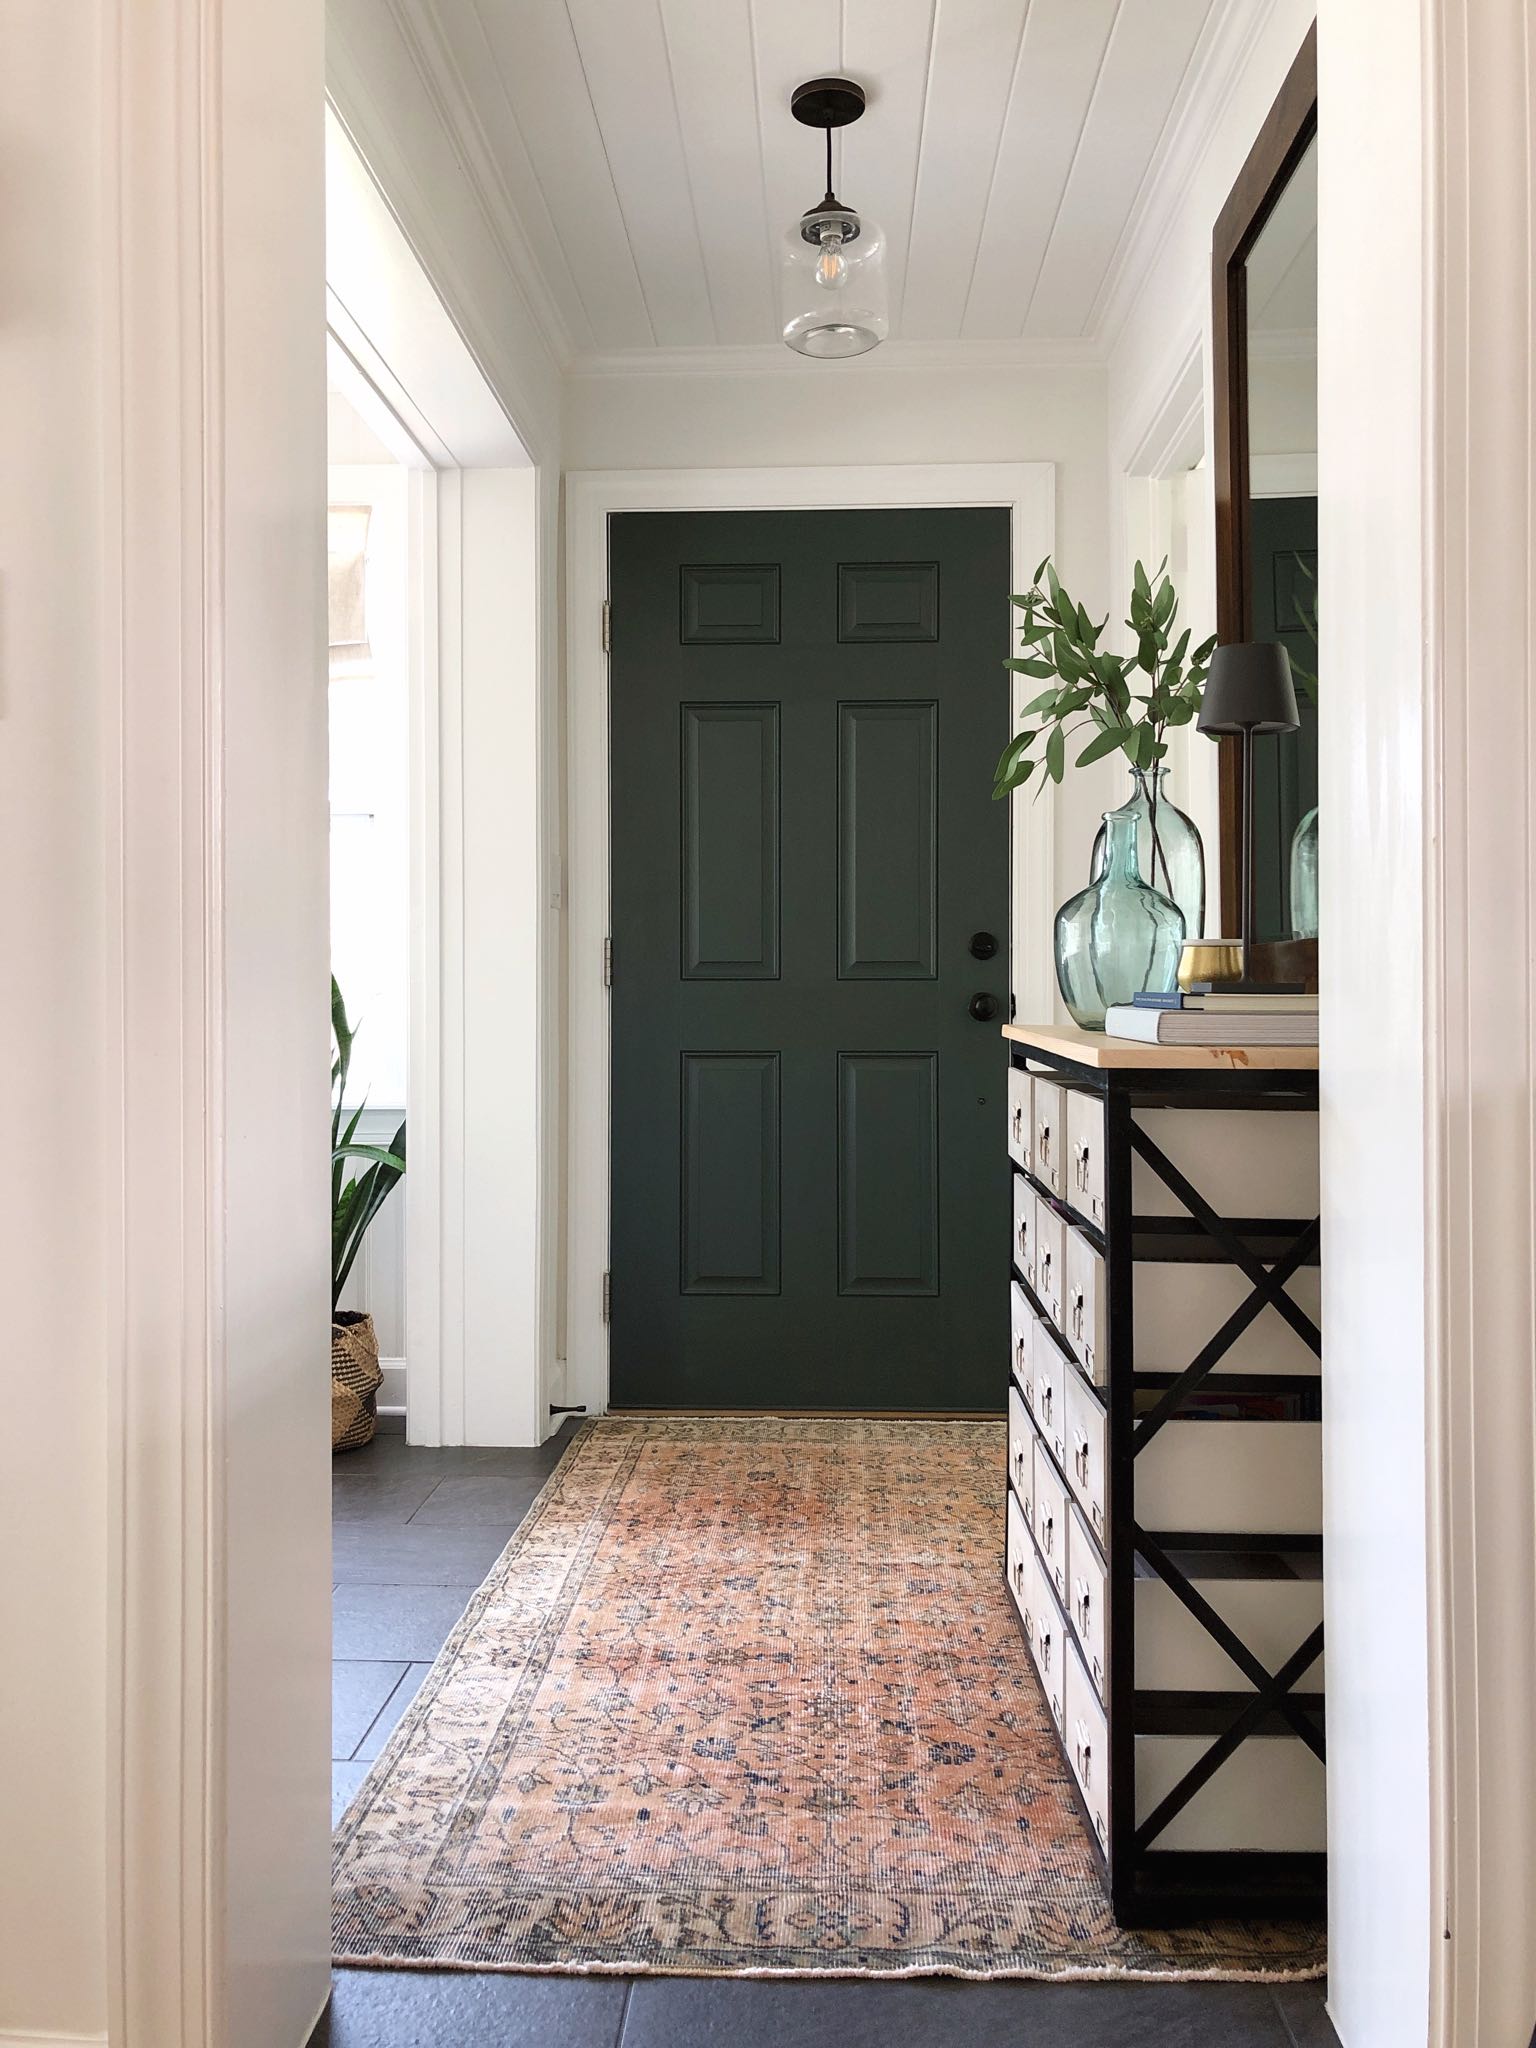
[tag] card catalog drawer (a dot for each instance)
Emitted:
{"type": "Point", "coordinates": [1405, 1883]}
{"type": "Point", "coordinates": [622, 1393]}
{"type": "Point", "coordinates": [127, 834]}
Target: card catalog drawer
{"type": "Point", "coordinates": [1087, 1601]}
{"type": "Point", "coordinates": [1049, 1249]}
{"type": "Point", "coordinates": [1050, 1405]}
{"type": "Point", "coordinates": [1051, 1522]}
{"type": "Point", "coordinates": [1245, 1162]}
{"type": "Point", "coordinates": [1019, 1553]}
{"type": "Point", "coordinates": [1050, 1134]}
{"type": "Point", "coordinates": [1269, 1794]}
{"type": "Point", "coordinates": [1176, 1653]}
{"type": "Point", "coordinates": [1087, 1742]}
{"type": "Point", "coordinates": [1021, 1444]}
{"type": "Point", "coordinates": [1085, 1154]}
{"type": "Point", "coordinates": [1021, 1356]}
{"type": "Point", "coordinates": [1246, 1478]}
{"type": "Point", "coordinates": [1086, 1301]}
{"type": "Point", "coordinates": [1087, 1434]}
{"type": "Point", "coordinates": [1024, 1227]}
{"type": "Point", "coordinates": [1021, 1130]}
{"type": "Point", "coordinates": [1050, 1648]}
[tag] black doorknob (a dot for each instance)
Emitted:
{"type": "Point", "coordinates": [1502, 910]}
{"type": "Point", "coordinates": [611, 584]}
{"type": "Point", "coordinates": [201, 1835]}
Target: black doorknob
{"type": "Point", "coordinates": [983, 1007]}
{"type": "Point", "coordinates": [983, 945]}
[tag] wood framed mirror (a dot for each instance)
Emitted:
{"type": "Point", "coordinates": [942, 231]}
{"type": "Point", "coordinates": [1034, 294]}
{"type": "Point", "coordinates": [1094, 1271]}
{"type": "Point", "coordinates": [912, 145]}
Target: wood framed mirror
{"type": "Point", "coordinates": [1264, 369]}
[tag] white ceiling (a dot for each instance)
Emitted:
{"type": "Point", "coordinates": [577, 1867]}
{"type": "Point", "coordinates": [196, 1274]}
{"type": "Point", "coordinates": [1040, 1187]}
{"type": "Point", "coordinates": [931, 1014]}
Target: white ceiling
{"type": "Point", "coordinates": [647, 153]}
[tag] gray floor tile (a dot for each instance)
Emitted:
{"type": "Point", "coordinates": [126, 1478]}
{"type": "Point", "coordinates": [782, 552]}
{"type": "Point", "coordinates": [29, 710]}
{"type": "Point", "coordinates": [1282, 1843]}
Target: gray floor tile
{"type": "Point", "coordinates": [380, 1494]}
{"type": "Point", "coordinates": [358, 1693]}
{"type": "Point", "coordinates": [345, 1779]}
{"type": "Point", "coordinates": [1304, 2011]}
{"type": "Point", "coordinates": [415, 1553]}
{"type": "Point", "coordinates": [407, 2009]}
{"type": "Point", "coordinates": [500, 1499]}
{"type": "Point", "coordinates": [407, 1623]}
{"type": "Point", "coordinates": [687, 2012]}
{"type": "Point", "coordinates": [390, 1712]}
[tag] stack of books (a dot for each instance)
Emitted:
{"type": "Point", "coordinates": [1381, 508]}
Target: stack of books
{"type": "Point", "coordinates": [1237, 1018]}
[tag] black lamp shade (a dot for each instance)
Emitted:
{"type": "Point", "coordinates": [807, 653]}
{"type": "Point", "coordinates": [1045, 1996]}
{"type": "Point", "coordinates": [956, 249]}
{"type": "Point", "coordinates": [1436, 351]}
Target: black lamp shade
{"type": "Point", "coordinates": [1249, 689]}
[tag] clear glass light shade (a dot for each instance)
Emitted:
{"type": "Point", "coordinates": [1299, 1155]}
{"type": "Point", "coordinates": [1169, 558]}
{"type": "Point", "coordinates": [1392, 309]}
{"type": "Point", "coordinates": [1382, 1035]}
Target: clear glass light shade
{"type": "Point", "coordinates": [832, 292]}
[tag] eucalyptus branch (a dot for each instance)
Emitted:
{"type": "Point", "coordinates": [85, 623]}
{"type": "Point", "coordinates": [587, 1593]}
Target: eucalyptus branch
{"type": "Point", "coordinates": [1059, 643]}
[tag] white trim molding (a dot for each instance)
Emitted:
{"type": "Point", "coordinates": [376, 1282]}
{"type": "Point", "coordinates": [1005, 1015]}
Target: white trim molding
{"type": "Point", "coordinates": [1480, 817]}
{"type": "Point", "coordinates": [1027, 490]}
{"type": "Point", "coordinates": [216, 1094]}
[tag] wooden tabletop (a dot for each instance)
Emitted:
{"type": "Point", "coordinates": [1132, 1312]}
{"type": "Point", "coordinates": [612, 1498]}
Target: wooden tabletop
{"type": "Point", "coordinates": [1095, 1049]}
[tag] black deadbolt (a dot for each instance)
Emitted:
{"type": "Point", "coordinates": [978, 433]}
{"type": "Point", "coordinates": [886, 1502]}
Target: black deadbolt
{"type": "Point", "coordinates": [983, 1007]}
{"type": "Point", "coordinates": [983, 945]}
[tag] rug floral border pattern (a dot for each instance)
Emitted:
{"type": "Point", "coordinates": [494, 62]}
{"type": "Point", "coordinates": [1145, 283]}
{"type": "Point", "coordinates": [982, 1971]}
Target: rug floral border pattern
{"type": "Point", "coordinates": [498, 1828]}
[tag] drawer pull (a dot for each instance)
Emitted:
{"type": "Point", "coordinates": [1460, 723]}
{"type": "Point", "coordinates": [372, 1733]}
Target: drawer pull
{"type": "Point", "coordinates": [1018, 1123]}
{"type": "Point", "coordinates": [1082, 1169]}
{"type": "Point", "coordinates": [1047, 1400]}
{"type": "Point", "coordinates": [1045, 1649]}
{"type": "Point", "coordinates": [1018, 1575]}
{"type": "Point", "coordinates": [1018, 1354]}
{"type": "Point", "coordinates": [1081, 1605]}
{"type": "Point", "coordinates": [1077, 1313]}
{"type": "Point", "coordinates": [1080, 1458]}
{"type": "Point", "coordinates": [1084, 1757]}
{"type": "Point", "coordinates": [1047, 1533]}
{"type": "Point", "coordinates": [1042, 1147]}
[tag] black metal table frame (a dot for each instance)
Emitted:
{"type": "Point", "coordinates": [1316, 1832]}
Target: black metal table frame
{"type": "Point", "coordinates": [1148, 1886]}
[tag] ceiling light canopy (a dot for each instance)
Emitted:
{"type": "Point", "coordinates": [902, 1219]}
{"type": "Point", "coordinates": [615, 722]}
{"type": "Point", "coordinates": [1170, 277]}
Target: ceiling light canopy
{"type": "Point", "coordinates": [832, 273]}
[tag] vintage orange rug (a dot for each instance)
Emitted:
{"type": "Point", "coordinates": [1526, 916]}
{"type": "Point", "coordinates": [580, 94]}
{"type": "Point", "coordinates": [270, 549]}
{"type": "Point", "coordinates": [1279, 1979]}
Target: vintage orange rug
{"type": "Point", "coordinates": [745, 1696]}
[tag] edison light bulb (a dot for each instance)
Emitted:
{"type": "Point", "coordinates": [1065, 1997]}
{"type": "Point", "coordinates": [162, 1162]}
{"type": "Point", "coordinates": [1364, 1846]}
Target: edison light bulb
{"type": "Point", "coordinates": [831, 266]}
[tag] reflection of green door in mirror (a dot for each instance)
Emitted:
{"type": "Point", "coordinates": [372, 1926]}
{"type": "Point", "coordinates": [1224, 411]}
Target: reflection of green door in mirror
{"type": "Point", "coordinates": [1281, 569]}
{"type": "Point", "coordinates": [1284, 569]}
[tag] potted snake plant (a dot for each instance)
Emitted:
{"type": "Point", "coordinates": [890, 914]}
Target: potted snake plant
{"type": "Point", "coordinates": [362, 1178]}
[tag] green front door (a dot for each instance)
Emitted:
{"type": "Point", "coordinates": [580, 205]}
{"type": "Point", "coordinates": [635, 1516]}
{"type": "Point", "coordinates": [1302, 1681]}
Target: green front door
{"type": "Point", "coordinates": [809, 1202]}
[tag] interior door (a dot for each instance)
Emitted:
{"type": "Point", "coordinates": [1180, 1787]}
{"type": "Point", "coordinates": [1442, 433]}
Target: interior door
{"type": "Point", "coordinates": [810, 918]}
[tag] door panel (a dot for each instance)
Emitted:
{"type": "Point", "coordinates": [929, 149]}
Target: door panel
{"type": "Point", "coordinates": [730, 776]}
{"type": "Point", "coordinates": [887, 1173]}
{"type": "Point", "coordinates": [809, 1199]}
{"type": "Point", "coordinates": [888, 841]}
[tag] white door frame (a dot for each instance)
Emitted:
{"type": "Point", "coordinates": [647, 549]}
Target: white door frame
{"type": "Point", "coordinates": [1028, 491]}
{"type": "Point", "coordinates": [478, 1248]}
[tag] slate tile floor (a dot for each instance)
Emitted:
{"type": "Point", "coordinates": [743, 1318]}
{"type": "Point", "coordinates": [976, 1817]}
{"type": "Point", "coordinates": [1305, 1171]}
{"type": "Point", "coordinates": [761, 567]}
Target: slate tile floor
{"type": "Point", "coordinates": [415, 1532]}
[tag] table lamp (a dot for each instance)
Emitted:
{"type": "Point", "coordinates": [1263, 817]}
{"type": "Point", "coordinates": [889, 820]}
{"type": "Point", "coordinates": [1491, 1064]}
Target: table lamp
{"type": "Point", "coordinates": [1249, 690]}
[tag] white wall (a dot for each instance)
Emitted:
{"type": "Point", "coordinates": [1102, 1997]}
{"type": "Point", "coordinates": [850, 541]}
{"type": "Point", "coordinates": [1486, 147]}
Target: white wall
{"type": "Point", "coordinates": [54, 931]}
{"type": "Point", "coordinates": [878, 411]}
{"type": "Point", "coordinates": [164, 1497]}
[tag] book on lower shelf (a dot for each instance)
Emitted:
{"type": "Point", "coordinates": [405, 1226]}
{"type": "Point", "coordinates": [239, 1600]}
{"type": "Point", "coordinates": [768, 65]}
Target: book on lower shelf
{"type": "Point", "coordinates": [1206, 1027]}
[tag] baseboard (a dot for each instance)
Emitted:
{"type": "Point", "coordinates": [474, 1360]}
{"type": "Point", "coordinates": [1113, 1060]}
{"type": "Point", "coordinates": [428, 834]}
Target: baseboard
{"type": "Point", "coordinates": [391, 1399]}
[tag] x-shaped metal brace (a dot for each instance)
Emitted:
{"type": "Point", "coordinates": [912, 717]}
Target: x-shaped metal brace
{"type": "Point", "coordinates": [1267, 1287]}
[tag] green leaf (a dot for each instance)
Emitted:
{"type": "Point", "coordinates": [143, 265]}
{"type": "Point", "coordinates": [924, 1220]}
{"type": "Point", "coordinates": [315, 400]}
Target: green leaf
{"type": "Point", "coordinates": [1055, 753]}
{"type": "Point", "coordinates": [1108, 742]}
{"type": "Point", "coordinates": [1016, 779]}
{"type": "Point", "coordinates": [1033, 667]}
{"type": "Point", "coordinates": [1041, 571]}
{"type": "Point", "coordinates": [1139, 583]}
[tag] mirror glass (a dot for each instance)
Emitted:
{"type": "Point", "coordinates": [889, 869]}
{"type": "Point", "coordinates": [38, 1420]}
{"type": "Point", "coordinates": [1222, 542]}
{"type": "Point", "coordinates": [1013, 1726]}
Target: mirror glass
{"type": "Point", "coordinates": [1281, 300]}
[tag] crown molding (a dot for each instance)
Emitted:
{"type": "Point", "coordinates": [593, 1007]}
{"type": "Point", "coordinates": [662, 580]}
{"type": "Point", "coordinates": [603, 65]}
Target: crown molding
{"type": "Point", "coordinates": [772, 358]}
{"type": "Point", "coordinates": [1227, 42]}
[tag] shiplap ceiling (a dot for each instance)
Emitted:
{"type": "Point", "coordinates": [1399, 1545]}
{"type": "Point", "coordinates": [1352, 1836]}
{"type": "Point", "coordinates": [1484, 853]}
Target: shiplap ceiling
{"type": "Point", "coordinates": [645, 150]}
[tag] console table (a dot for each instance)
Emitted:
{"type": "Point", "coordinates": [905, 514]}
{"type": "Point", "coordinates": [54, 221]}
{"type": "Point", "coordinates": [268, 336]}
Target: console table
{"type": "Point", "coordinates": [1164, 1501]}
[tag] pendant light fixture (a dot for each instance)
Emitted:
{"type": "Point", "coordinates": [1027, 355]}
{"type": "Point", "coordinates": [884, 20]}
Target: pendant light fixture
{"type": "Point", "coordinates": [832, 273]}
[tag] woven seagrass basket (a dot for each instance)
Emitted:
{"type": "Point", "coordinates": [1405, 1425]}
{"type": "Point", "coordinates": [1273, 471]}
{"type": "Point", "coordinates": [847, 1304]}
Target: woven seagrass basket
{"type": "Point", "coordinates": [356, 1376]}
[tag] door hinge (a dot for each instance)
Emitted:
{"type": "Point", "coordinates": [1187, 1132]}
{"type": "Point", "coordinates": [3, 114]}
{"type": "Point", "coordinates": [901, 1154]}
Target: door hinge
{"type": "Point", "coordinates": [607, 626]}
{"type": "Point", "coordinates": [607, 963]}
{"type": "Point", "coordinates": [607, 1297]}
